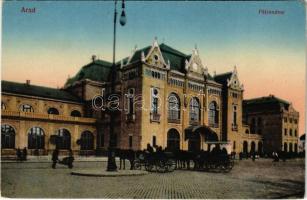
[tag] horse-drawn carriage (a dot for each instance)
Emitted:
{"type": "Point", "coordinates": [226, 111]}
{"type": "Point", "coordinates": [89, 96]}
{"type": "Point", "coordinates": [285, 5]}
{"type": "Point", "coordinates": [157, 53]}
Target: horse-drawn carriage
{"type": "Point", "coordinates": [215, 159]}
{"type": "Point", "coordinates": [156, 161]}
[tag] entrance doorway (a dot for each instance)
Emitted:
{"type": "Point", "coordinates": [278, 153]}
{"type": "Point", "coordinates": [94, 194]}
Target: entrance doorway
{"type": "Point", "coordinates": [173, 140]}
{"type": "Point", "coordinates": [194, 142]}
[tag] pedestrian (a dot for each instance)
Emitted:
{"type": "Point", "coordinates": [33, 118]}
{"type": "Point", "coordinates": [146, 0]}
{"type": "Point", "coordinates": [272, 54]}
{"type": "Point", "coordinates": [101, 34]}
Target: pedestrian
{"type": "Point", "coordinates": [55, 157]}
{"type": "Point", "coordinates": [70, 159]}
{"type": "Point", "coordinates": [149, 148]}
{"type": "Point", "coordinates": [254, 156]}
{"type": "Point", "coordinates": [240, 155]}
{"type": "Point", "coordinates": [24, 153]}
{"type": "Point", "coordinates": [18, 154]}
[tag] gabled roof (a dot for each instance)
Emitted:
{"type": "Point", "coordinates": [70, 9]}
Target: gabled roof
{"type": "Point", "coordinates": [222, 78]}
{"type": "Point", "coordinates": [98, 70]}
{"type": "Point", "coordinates": [138, 53]}
{"type": "Point", "coordinates": [265, 100]}
{"type": "Point", "coordinates": [176, 58]}
{"type": "Point", "coordinates": [39, 91]}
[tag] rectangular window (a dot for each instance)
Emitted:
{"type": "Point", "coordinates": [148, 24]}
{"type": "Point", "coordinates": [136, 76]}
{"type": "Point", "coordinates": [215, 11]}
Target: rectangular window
{"type": "Point", "coordinates": [285, 119]}
{"type": "Point", "coordinates": [130, 141]}
{"type": "Point", "coordinates": [234, 119]}
{"type": "Point", "coordinates": [285, 131]}
{"type": "Point", "coordinates": [290, 132]}
{"type": "Point", "coordinates": [154, 141]}
{"type": "Point", "coordinates": [290, 120]}
{"type": "Point", "coordinates": [234, 145]}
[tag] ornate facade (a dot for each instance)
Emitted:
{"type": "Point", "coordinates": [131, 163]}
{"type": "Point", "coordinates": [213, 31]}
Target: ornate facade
{"type": "Point", "coordinates": [163, 97]}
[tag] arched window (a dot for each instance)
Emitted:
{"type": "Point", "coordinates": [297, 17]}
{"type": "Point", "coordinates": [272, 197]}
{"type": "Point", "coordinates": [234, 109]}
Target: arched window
{"type": "Point", "coordinates": [213, 114]}
{"type": "Point", "coordinates": [173, 140]}
{"type": "Point", "coordinates": [7, 137]}
{"type": "Point", "coordinates": [87, 140]}
{"type": "Point", "coordinates": [3, 107]}
{"type": "Point", "coordinates": [194, 110]}
{"type": "Point", "coordinates": [63, 141]}
{"type": "Point", "coordinates": [75, 113]}
{"type": "Point", "coordinates": [173, 106]}
{"type": "Point", "coordinates": [26, 108]}
{"type": "Point", "coordinates": [53, 111]}
{"type": "Point", "coordinates": [36, 138]}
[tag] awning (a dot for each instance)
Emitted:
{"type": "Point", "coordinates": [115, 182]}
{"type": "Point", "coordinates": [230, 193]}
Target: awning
{"type": "Point", "coordinates": [207, 132]}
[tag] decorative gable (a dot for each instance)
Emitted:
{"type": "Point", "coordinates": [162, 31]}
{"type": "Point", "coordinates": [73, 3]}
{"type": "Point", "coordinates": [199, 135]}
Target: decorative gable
{"type": "Point", "coordinates": [154, 56]}
{"type": "Point", "coordinates": [194, 64]}
{"type": "Point", "coordinates": [234, 81]}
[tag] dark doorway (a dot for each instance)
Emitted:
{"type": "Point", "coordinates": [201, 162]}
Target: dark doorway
{"type": "Point", "coordinates": [194, 142]}
{"type": "Point", "coordinates": [285, 147]}
{"type": "Point", "coordinates": [260, 150]}
{"type": "Point", "coordinates": [173, 140]}
{"type": "Point", "coordinates": [253, 147]}
{"type": "Point", "coordinates": [245, 147]}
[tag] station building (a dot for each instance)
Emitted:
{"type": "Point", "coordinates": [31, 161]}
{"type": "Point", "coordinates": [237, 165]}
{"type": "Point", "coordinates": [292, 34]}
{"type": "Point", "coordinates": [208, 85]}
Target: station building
{"type": "Point", "coordinates": [276, 120]}
{"type": "Point", "coordinates": [164, 97]}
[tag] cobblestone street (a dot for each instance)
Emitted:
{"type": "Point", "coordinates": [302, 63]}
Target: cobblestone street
{"type": "Point", "coordinates": [260, 179]}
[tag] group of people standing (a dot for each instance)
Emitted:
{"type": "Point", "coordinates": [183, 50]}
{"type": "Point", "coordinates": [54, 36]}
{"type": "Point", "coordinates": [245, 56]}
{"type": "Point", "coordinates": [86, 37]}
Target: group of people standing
{"type": "Point", "coordinates": [21, 155]}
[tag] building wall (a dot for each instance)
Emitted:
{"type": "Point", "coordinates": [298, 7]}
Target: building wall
{"type": "Point", "coordinates": [22, 122]}
{"type": "Point", "coordinates": [271, 124]}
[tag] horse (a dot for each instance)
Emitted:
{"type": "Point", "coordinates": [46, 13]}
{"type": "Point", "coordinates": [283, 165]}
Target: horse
{"type": "Point", "coordinates": [124, 154]}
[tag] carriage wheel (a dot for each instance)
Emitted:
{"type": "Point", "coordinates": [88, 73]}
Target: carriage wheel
{"type": "Point", "coordinates": [161, 166]}
{"type": "Point", "coordinates": [137, 165]}
{"type": "Point", "coordinates": [171, 165]}
{"type": "Point", "coordinates": [230, 165]}
{"type": "Point", "coordinates": [149, 167]}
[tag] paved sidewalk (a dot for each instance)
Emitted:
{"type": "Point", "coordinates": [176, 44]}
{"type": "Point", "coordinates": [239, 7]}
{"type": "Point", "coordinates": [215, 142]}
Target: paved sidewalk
{"type": "Point", "coordinates": [42, 159]}
{"type": "Point", "coordinates": [103, 173]}
{"type": "Point", "coordinates": [262, 179]}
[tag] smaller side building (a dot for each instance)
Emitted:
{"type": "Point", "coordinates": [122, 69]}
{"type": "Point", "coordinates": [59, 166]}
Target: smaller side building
{"type": "Point", "coordinates": [276, 120]}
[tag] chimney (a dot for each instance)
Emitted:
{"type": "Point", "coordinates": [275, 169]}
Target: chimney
{"type": "Point", "coordinates": [28, 82]}
{"type": "Point", "coordinates": [93, 58]}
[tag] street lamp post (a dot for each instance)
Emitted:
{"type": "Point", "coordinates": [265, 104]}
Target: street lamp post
{"type": "Point", "coordinates": [111, 154]}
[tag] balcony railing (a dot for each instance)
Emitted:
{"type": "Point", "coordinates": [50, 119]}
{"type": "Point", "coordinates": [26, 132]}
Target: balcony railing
{"type": "Point", "coordinates": [214, 125]}
{"type": "Point", "coordinates": [194, 122]}
{"type": "Point", "coordinates": [176, 121]}
{"type": "Point", "coordinates": [154, 117]}
{"type": "Point", "coordinates": [41, 116]}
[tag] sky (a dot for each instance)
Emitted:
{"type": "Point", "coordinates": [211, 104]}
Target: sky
{"type": "Point", "coordinates": [55, 41]}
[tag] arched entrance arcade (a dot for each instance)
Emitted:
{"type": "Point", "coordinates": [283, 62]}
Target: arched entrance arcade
{"type": "Point", "coordinates": [173, 140]}
{"type": "Point", "coordinates": [198, 135]}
